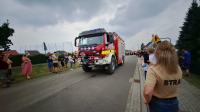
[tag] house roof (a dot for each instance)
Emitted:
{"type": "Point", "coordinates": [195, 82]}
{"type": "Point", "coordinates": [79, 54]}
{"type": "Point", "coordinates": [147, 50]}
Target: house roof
{"type": "Point", "coordinates": [11, 52]}
{"type": "Point", "coordinates": [32, 52]}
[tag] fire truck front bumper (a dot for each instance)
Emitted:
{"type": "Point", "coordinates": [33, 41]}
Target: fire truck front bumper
{"type": "Point", "coordinates": [102, 62]}
{"type": "Point", "coordinates": [97, 62]}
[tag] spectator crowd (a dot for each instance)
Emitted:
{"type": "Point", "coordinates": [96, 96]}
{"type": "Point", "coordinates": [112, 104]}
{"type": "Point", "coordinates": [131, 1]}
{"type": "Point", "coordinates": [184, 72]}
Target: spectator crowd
{"type": "Point", "coordinates": [56, 63]}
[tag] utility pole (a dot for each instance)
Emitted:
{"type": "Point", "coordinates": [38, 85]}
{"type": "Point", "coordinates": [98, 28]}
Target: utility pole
{"type": "Point", "coordinates": [72, 47]}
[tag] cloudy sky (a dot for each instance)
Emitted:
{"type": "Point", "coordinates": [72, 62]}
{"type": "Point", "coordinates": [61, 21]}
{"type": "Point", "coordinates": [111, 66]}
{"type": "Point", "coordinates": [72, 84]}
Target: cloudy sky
{"type": "Point", "coordinates": [60, 21]}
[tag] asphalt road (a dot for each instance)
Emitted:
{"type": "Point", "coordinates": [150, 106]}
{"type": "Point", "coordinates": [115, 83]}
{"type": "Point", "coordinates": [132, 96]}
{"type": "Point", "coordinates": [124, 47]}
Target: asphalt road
{"type": "Point", "coordinates": [73, 91]}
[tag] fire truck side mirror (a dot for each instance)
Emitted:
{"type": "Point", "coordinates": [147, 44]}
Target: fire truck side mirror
{"type": "Point", "coordinates": [110, 38]}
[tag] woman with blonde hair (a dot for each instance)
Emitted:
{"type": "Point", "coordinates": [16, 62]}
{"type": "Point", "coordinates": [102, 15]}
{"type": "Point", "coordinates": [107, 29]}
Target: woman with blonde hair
{"type": "Point", "coordinates": [163, 80]}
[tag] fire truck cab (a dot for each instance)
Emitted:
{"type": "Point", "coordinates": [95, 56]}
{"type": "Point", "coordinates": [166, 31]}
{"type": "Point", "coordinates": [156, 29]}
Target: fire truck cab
{"type": "Point", "coordinates": [99, 48]}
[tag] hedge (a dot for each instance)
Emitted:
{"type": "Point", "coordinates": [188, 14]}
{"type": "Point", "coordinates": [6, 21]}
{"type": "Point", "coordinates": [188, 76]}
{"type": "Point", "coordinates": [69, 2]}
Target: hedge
{"type": "Point", "coordinates": [36, 59]}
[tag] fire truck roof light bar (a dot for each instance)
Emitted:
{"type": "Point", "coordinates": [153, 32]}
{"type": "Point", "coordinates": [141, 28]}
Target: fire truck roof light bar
{"type": "Point", "coordinates": [95, 31]}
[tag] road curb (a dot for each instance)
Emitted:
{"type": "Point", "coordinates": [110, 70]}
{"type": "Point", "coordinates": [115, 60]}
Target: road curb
{"type": "Point", "coordinates": [135, 102]}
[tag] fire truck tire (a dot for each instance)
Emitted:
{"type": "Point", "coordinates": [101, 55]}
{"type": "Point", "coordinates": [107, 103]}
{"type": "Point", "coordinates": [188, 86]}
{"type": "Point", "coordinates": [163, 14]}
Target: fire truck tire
{"type": "Point", "coordinates": [86, 68]}
{"type": "Point", "coordinates": [112, 66]}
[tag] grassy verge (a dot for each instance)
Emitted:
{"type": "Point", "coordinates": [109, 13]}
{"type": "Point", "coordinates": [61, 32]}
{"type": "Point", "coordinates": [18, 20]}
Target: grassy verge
{"type": "Point", "coordinates": [37, 71]}
{"type": "Point", "coordinates": [194, 80]}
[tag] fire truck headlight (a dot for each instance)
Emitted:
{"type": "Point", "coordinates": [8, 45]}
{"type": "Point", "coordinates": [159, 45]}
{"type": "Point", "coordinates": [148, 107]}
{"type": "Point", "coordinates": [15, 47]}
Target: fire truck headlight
{"type": "Point", "coordinates": [106, 55]}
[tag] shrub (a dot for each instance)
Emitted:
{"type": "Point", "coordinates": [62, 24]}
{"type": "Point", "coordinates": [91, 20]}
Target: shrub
{"type": "Point", "coordinates": [36, 59]}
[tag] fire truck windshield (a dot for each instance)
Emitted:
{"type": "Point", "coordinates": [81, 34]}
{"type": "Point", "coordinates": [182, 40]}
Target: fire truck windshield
{"type": "Point", "coordinates": [91, 40]}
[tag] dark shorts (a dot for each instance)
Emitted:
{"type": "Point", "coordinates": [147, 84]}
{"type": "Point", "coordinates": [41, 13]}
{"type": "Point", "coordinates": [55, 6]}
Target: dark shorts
{"type": "Point", "coordinates": [62, 63]}
{"type": "Point", "coordinates": [55, 64]}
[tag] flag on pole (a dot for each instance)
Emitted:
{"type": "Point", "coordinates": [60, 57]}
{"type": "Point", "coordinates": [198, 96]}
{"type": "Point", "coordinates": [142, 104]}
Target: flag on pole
{"type": "Point", "coordinates": [45, 47]}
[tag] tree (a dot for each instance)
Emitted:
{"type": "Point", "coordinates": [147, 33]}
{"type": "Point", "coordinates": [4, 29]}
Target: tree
{"type": "Point", "coordinates": [185, 36]}
{"type": "Point", "coordinates": [5, 33]}
{"type": "Point", "coordinates": [189, 37]}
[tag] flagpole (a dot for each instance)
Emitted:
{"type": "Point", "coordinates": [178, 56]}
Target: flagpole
{"type": "Point", "coordinates": [45, 47]}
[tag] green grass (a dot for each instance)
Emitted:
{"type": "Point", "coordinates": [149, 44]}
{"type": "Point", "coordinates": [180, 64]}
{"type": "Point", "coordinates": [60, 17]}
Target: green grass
{"type": "Point", "coordinates": [194, 80]}
{"type": "Point", "coordinates": [37, 71]}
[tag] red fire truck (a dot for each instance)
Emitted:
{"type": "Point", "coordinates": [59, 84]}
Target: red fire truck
{"type": "Point", "coordinates": [99, 48]}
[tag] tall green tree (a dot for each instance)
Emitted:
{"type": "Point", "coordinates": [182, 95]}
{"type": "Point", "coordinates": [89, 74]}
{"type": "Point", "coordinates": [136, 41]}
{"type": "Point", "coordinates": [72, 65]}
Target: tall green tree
{"type": "Point", "coordinates": [5, 33]}
{"type": "Point", "coordinates": [185, 37]}
{"type": "Point", "coordinates": [197, 53]}
{"type": "Point", "coordinates": [189, 37]}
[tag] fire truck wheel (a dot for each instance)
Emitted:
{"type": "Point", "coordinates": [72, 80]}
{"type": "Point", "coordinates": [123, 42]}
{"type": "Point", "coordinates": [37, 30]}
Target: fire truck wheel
{"type": "Point", "coordinates": [86, 68]}
{"type": "Point", "coordinates": [111, 66]}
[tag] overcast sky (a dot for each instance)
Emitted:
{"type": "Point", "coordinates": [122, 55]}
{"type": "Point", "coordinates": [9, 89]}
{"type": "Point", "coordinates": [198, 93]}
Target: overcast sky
{"type": "Point", "coordinates": [60, 21]}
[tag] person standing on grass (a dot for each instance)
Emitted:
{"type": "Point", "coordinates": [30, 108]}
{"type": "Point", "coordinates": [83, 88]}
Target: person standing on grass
{"type": "Point", "coordinates": [55, 63]}
{"type": "Point", "coordinates": [74, 59]}
{"type": "Point", "coordinates": [50, 62]}
{"type": "Point", "coordinates": [59, 62]}
{"type": "Point", "coordinates": [163, 80]}
{"type": "Point", "coordinates": [61, 58]}
{"type": "Point", "coordinates": [186, 61]}
{"type": "Point", "coordinates": [26, 66]}
{"type": "Point", "coordinates": [9, 71]}
{"type": "Point", "coordinates": [5, 70]}
{"type": "Point", "coordinates": [66, 60]}
{"type": "Point", "coordinates": [71, 61]}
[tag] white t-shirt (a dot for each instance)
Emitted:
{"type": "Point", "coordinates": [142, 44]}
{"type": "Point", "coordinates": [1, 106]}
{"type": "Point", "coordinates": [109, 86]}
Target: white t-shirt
{"type": "Point", "coordinates": [54, 58]}
{"type": "Point", "coordinates": [71, 59]}
{"type": "Point", "coordinates": [152, 59]}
